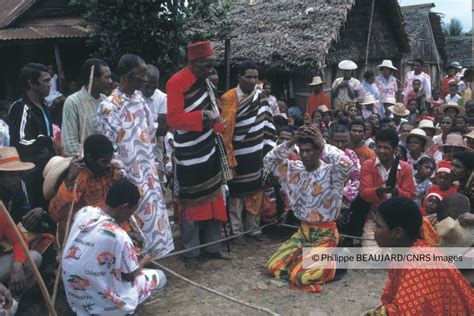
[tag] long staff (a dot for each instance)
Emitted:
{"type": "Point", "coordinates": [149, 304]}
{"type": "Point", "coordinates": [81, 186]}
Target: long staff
{"type": "Point", "coordinates": [74, 192]}
{"type": "Point", "coordinates": [32, 264]}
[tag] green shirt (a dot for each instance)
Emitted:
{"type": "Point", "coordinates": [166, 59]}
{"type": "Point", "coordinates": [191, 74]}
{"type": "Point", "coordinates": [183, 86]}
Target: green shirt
{"type": "Point", "coordinates": [79, 120]}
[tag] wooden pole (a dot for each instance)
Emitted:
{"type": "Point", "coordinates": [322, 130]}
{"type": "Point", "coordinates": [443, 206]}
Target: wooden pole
{"type": "Point", "coordinates": [32, 264]}
{"type": "Point", "coordinates": [74, 192]}
{"type": "Point", "coordinates": [227, 63]}
{"type": "Point", "coordinates": [59, 66]}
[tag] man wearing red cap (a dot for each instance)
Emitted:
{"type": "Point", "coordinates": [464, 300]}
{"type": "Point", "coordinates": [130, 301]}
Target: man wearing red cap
{"type": "Point", "coordinates": [198, 164]}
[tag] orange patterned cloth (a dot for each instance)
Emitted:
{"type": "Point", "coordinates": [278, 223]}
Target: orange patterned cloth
{"type": "Point", "coordinates": [421, 291]}
{"type": "Point", "coordinates": [365, 153]}
{"type": "Point", "coordinates": [91, 191]}
{"type": "Point", "coordinates": [429, 233]}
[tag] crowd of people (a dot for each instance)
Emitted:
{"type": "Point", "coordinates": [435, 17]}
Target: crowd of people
{"type": "Point", "coordinates": [386, 161]}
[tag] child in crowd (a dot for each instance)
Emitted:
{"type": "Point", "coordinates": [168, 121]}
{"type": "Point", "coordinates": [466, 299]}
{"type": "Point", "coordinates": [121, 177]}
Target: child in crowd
{"type": "Point", "coordinates": [424, 170]}
{"type": "Point", "coordinates": [416, 93]}
{"type": "Point", "coordinates": [444, 185]}
{"type": "Point", "coordinates": [431, 202]}
{"type": "Point", "coordinates": [436, 101]}
{"type": "Point", "coordinates": [453, 96]}
{"type": "Point", "coordinates": [413, 108]}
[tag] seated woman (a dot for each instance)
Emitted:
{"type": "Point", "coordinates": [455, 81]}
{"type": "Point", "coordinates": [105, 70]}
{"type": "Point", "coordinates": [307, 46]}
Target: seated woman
{"type": "Point", "coordinates": [443, 291]}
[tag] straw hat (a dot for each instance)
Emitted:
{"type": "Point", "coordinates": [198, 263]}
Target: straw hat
{"type": "Point", "coordinates": [399, 109]}
{"type": "Point", "coordinates": [453, 234]}
{"type": "Point", "coordinates": [428, 124]}
{"type": "Point", "coordinates": [368, 99]}
{"type": "Point", "coordinates": [418, 132]}
{"type": "Point", "coordinates": [282, 115]}
{"type": "Point", "coordinates": [454, 140]}
{"type": "Point", "coordinates": [390, 100]}
{"type": "Point", "coordinates": [347, 65]}
{"type": "Point", "coordinates": [53, 171]}
{"type": "Point", "coordinates": [316, 81]}
{"type": "Point", "coordinates": [444, 107]}
{"type": "Point", "coordinates": [388, 64]}
{"type": "Point", "coordinates": [10, 160]}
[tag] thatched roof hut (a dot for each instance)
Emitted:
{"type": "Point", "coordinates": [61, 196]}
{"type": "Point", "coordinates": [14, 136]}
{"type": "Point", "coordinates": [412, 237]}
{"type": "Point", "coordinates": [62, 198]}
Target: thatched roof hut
{"type": "Point", "coordinates": [426, 38]}
{"type": "Point", "coordinates": [308, 35]}
{"type": "Point", "coordinates": [459, 48]}
{"type": "Point", "coordinates": [293, 40]}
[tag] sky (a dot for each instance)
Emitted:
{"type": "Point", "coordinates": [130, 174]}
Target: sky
{"type": "Point", "coordinates": [460, 9]}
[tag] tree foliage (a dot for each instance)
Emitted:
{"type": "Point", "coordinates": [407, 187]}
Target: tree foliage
{"type": "Point", "coordinates": [157, 30]}
{"type": "Point", "coordinates": [453, 28]}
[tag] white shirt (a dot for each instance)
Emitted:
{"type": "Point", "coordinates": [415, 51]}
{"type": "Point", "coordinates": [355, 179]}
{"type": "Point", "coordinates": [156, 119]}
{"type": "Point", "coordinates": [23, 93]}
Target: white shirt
{"type": "Point", "coordinates": [157, 105]}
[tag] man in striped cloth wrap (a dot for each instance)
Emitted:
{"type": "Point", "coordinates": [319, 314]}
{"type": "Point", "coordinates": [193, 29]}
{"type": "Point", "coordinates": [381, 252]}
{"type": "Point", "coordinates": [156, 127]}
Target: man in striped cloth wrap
{"type": "Point", "coordinates": [198, 160]}
{"type": "Point", "coordinates": [249, 135]}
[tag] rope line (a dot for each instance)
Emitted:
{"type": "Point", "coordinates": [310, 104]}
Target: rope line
{"type": "Point", "coordinates": [228, 297]}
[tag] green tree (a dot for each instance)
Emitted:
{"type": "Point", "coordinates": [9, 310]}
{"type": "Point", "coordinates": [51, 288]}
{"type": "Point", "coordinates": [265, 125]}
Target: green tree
{"type": "Point", "coordinates": [157, 30]}
{"type": "Point", "coordinates": [453, 28]}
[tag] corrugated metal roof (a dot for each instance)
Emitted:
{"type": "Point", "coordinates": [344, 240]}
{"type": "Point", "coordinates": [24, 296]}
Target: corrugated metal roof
{"type": "Point", "coordinates": [11, 9]}
{"type": "Point", "coordinates": [43, 32]}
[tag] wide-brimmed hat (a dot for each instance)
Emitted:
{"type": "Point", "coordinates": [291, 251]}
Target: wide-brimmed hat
{"type": "Point", "coordinates": [10, 160]}
{"type": "Point", "coordinates": [398, 109]}
{"type": "Point", "coordinates": [444, 107]}
{"type": "Point", "coordinates": [347, 65]}
{"type": "Point", "coordinates": [454, 140]}
{"type": "Point", "coordinates": [418, 132]}
{"type": "Point", "coordinates": [428, 124]}
{"type": "Point", "coordinates": [390, 100]}
{"type": "Point", "coordinates": [453, 234]}
{"type": "Point", "coordinates": [52, 173]}
{"type": "Point", "coordinates": [316, 81]}
{"type": "Point", "coordinates": [388, 64]}
{"type": "Point", "coordinates": [368, 99]}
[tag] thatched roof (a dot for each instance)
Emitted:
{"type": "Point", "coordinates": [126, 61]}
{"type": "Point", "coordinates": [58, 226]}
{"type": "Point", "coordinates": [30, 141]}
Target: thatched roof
{"type": "Point", "coordinates": [299, 35]}
{"type": "Point", "coordinates": [459, 48]}
{"type": "Point", "coordinates": [415, 17]}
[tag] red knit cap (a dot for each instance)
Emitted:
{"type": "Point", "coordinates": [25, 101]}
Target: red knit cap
{"type": "Point", "coordinates": [199, 50]}
{"type": "Point", "coordinates": [444, 166]}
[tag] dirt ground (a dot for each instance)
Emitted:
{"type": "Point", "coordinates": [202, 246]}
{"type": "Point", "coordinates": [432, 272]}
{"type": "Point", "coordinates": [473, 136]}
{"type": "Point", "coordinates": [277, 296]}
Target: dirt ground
{"type": "Point", "coordinates": [245, 278]}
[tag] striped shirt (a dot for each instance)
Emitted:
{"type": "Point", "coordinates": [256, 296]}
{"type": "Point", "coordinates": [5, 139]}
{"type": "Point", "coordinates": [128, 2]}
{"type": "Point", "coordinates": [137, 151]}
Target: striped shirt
{"type": "Point", "coordinates": [79, 118]}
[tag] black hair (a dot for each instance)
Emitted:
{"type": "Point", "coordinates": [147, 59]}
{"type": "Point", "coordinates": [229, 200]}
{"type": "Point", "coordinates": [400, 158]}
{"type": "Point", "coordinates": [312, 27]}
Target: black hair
{"type": "Point", "coordinates": [416, 79]}
{"type": "Point", "coordinates": [299, 121]}
{"type": "Point", "coordinates": [338, 128]}
{"type": "Point", "coordinates": [267, 83]}
{"type": "Point", "coordinates": [453, 205]}
{"type": "Point", "coordinates": [404, 213]}
{"type": "Point", "coordinates": [288, 129]}
{"type": "Point", "coordinates": [122, 192]}
{"type": "Point", "coordinates": [86, 69]}
{"type": "Point", "coordinates": [308, 140]}
{"type": "Point", "coordinates": [280, 120]}
{"type": "Point", "coordinates": [357, 123]}
{"type": "Point", "coordinates": [387, 134]}
{"type": "Point", "coordinates": [423, 141]}
{"type": "Point", "coordinates": [344, 121]}
{"type": "Point", "coordinates": [385, 120]}
{"type": "Point", "coordinates": [336, 113]}
{"type": "Point", "coordinates": [456, 130]}
{"type": "Point", "coordinates": [466, 158]}
{"type": "Point", "coordinates": [115, 77]}
{"type": "Point", "coordinates": [242, 67]}
{"type": "Point", "coordinates": [152, 71]}
{"type": "Point", "coordinates": [31, 72]}
{"type": "Point", "coordinates": [424, 160]}
{"type": "Point", "coordinates": [368, 74]}
{"type": "Point", "coordinates": [419, 60]}
{"type": "Point", "coordinates": [98, 145]}
{"type": "Point", "coordinates": [128, 62]}
{"type": "Point", "coordinates": [463, 117]}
